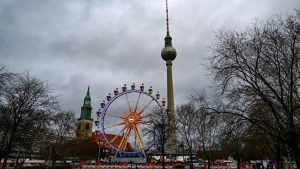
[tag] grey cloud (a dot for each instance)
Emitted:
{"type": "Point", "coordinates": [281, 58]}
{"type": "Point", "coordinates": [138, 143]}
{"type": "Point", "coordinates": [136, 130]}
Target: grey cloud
{"type": "Point", "coordinates": [104, 44]}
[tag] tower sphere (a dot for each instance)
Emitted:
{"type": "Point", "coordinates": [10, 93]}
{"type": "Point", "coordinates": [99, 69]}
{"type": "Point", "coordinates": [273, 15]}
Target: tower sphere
{"type": "Point", "coordinates": [168, 53]}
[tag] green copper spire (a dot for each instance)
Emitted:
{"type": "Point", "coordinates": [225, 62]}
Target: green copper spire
{"type": "Point", "coordinates": [86, 109]}
{"type": "Point", "coordinates": [87, 98]}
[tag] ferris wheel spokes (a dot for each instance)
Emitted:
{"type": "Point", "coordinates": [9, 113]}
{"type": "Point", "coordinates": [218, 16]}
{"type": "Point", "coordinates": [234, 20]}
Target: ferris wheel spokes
{"type": "Point", "coordinates": [116, 136]}
{"type": "Point", "coordinates": [147, 115]}
{"type": "Point", "coordinates": [113, 115]}
{"type": "Point", "coordinates": [128, 102]}
{"type": "Point", "coordinates": [143, 109]}
{"type": "Point", "coordinates": [114, 125]}
{"type": "Point", "coordinates": [137, 102]}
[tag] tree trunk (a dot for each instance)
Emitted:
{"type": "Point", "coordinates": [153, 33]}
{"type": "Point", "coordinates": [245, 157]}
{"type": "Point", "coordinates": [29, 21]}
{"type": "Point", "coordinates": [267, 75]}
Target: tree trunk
{"type": "Point", "coordinates": [17, 163]}
{"type": "Point", "coordinates": [4, 163]}
{"type": "Point", "coordinates": [191, 157]}
{"type": "Point", "coordinates": [239, 163]}
{"type": "Point", "coordinates": [278, 156]}
{"type": "Point", "coordinates": [262, 164]}
{"type": "Point", "coordinates": [205, 155]}
{"type": "Point", "coordinates": [295, 148]}
{"type": "Point", "coordinates": [297, 157]}
{"type": "Point", "coordinates": [4, 138]}
{"type": "Point", "coordinates": [9, 146]}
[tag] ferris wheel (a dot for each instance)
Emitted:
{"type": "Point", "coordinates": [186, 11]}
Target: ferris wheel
{"type": "Point", "coordinates": [124, 120]}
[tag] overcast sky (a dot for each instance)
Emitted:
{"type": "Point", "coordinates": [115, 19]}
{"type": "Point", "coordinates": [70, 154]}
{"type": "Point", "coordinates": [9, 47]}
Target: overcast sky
{"type": "Point", "coordinates": [105, 43]}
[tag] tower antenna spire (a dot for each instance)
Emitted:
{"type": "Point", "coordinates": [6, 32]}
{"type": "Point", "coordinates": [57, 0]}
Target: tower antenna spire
{"type": "Point", "coordinates": [167, 18]}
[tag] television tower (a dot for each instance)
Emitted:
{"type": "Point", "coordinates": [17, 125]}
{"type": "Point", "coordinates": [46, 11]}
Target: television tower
{"type": "Point", "coordinates": [168, 54]}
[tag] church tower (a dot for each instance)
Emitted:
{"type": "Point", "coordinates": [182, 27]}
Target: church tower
{"type": "Point", "coordinates": [85, 122]}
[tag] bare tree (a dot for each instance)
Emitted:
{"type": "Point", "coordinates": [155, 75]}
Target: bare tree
{"type": "Point", "coordinates": [27, 104]}
{"type": "Point", "coordinates": [233, 135]}
{"type": "Point", "coordinates": [63, 125]}
{"type": "Point", "coordinates": [208, 133]}
{"type": "Point", "coordinates": [259, 68]}
{"type": "Point", "coordinates": [61, 130]}
{"type": "Point", "coordinates": [186, 119]}
{"type": "Point", "coordinates": [28, 143]}
{"type": "Point", "coordinates": [5, 76]}
{"type": "Point", "coordinates": [224, 129]}
{"type": "Point", "coordinates": [212, 127]}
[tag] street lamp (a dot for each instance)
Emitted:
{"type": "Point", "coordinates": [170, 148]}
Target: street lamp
{"type": "Point", "coordinates": [99, 150]}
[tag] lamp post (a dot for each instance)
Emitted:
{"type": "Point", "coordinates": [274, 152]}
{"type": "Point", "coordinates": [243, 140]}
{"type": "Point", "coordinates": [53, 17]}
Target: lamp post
{"type": "Point", "coordinates": [163, 143]}
{"type": "Point", "coordinates": [99, 150]}
{"type": "Point", "coordinates": [98, 153]}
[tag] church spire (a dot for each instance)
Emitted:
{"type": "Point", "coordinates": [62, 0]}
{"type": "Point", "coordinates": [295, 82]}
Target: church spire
{"type": "Point", "coordinates": [87, 96]}
{"type": "Point", "coordinates": [86, 108]}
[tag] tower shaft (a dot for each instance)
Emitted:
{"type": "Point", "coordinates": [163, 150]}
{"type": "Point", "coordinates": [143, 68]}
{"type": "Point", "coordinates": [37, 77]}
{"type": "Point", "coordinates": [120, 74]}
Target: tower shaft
{"type": "Point", "coordinates": [171, 142]}
{"type": "Point", "coordinates": [170, 92]}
